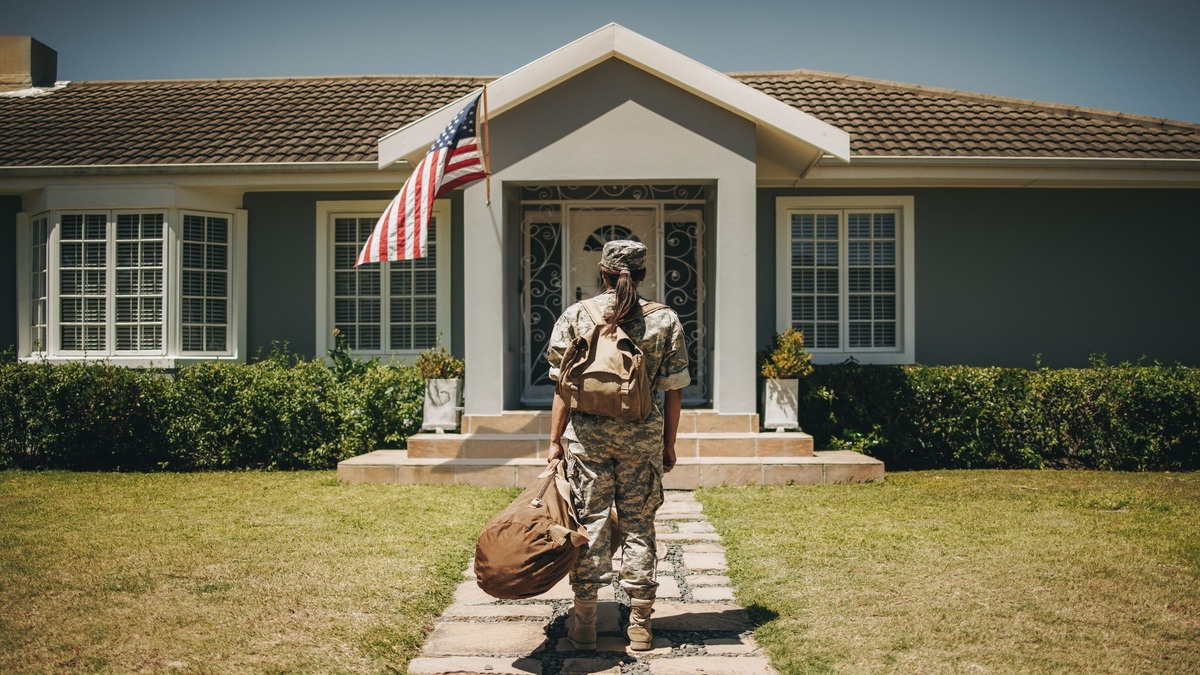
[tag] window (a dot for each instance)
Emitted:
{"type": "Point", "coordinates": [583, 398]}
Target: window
{"type": "Point", "coordinates": [205, 284]}
{"type": "Point", "coordinates": [127, 285]}
{"type": "Point", "coordinates": [395, 307]}
{"type": "Point", "coordinates": [845, 276]}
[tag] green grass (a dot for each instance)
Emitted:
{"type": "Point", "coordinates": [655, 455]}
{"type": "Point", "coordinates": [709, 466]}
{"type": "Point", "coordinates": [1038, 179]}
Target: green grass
{"type": "Point", "coordinates": [992, 571]}
{"type": "Point", "coordinates": [226, 572]}
{"type": "Point", "coordinates": [971, 571]}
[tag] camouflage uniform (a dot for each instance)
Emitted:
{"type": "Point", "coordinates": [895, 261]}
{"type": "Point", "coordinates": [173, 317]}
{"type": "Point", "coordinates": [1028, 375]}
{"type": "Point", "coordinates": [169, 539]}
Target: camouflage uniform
{"type": "Point", "coordinates": [610, 461]}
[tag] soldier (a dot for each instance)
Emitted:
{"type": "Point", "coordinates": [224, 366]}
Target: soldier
{"type": "Point", "coordinates": [611, 462]}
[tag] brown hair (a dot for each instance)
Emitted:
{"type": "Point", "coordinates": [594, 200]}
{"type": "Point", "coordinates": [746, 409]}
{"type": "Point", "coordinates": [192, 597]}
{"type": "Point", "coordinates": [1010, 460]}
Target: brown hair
{"type": "Point", "coordinates": [625, 284]}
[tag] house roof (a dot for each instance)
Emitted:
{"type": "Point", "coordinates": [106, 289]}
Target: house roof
{"type": "Point", "coordinates": [341, 119]}
{"type": "Point", "coordinates": [801, 138]}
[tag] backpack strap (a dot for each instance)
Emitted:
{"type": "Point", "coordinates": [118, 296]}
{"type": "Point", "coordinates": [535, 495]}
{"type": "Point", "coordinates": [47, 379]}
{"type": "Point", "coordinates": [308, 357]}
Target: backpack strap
{"type": "Point", "coordinates": [593, 311]}
{"type": "Point", "coordinates": [652, 307]}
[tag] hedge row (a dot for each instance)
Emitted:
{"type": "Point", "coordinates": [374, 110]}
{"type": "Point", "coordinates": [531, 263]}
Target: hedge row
{"type": "Point", "coordinates": [279, 413]}
{"type": "Point", "coordinates": [1113, 417]}
{"type": "Point", "coordinates": [285, 413]}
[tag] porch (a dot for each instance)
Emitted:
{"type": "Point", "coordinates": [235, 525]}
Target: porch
{"type": "Point", "coordinates": [713, 449]}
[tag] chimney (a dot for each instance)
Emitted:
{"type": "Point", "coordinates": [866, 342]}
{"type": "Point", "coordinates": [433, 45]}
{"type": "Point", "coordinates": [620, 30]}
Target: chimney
{"type": "Point", "coordinates": [25, 63]}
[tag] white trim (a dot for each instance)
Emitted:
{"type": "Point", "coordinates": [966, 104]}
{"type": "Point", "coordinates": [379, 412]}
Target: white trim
{"type": "Point", "coordinates": [996, 172]}
{"type": "Point", "coordinates": [24, 290]}
{"type": "Point", "coordinates": [240, 267]}
{"type": "Point", "coordinates": [615, 41]}
{"type": "Point", "coordinates": [323, 324]}
{"type": "Point", "coordinates": [906, 242]}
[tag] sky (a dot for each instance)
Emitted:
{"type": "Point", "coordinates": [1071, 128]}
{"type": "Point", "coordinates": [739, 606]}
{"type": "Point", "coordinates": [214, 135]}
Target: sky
{"type": "Point", "coordinates": [1134, 56]}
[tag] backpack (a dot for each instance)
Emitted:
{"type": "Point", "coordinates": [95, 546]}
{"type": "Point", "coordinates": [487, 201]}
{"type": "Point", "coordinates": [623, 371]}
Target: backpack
{"type": "Point", "coordinates": [603, 371]}
{"type": "Point", "coordinates": [533, 543]}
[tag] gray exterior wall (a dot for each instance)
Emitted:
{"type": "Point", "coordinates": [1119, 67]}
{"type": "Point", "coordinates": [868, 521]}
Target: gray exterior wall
{"type": "Point", "coordinates": [612, 123]}
{"type": "Point", "coordinates": [281, 277]}
{"type": "Point", "coordinates": [9, 208]}
{"type": "Point", "coordinates": [1005, 274]}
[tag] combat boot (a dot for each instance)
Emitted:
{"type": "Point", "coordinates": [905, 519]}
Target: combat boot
{"type": "Point", "coordinates": [583, 634]}
{"type": "Point", "coordinates": [640, 634]}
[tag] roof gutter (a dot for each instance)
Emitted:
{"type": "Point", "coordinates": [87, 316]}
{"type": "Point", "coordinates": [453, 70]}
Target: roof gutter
{"type": "Point", "coordinates": [1044, 162]}
{"type": "Point", "coordinates": [144, 169]}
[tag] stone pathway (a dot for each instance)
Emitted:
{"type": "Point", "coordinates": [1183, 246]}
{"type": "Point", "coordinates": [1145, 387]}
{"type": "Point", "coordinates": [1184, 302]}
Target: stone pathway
{"type": "Point", "coordinates": [698, 625]}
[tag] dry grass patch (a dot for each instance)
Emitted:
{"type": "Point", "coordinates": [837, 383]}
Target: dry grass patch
{"type": "Point", "coordinates": [988, 571]}
{"type": "Point", "coordinates": [226, 572]}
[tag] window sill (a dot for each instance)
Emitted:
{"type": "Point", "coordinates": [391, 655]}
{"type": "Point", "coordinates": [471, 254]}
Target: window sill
{"type": "Point", "coordinates": [866, 359]}
{"type": "Point", "coordinates": [158, 362]}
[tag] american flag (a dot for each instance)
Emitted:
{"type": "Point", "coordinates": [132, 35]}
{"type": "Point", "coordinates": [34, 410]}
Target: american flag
{"type": "Point", "coordinates": [453, 160]}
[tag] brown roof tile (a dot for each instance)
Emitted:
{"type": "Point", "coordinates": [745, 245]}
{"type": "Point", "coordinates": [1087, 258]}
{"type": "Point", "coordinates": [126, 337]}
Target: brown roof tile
{"type": "Point", "coordinates": [340, 119]}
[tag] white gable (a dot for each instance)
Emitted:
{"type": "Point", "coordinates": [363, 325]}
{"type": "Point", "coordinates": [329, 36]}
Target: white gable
{"type": "Point", "coordinates": [796, 139]}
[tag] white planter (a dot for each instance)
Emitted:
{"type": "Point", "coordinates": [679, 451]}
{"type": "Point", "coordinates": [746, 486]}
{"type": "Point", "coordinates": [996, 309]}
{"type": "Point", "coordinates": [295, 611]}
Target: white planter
{"type": "Point", "coordinates": [780, 404]}
{"type": "Point", "coordinates": [441, 404]}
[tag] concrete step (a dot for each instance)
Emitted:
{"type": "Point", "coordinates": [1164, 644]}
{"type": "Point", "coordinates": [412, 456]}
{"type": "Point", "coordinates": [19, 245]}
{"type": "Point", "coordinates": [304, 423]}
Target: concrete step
{"type": "Point", "coordinates": [538, 422]}
{"type": "Point", "coordinates": [534, 446]}
{"type": "Point", "coordinates": [396, 466]}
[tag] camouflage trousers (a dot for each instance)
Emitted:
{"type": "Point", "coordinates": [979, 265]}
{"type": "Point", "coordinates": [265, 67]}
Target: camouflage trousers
{"type": "Point", "coordinates": [629, 477]}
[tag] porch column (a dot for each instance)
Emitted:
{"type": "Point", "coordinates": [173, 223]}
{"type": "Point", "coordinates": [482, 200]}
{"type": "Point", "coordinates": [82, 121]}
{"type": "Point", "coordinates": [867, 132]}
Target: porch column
{"type": "Point", "coordinates": [734, 380]}
{"type": "Point", "coordinates": [483, 293]}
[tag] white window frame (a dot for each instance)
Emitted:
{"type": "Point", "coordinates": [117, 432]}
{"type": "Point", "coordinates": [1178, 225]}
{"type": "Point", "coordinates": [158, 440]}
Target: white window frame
{"type": "Point", "coordinates": [327, 211]}
{"type": "Point", "coordinates": [170, 355]}
{"type": "Point", "coordinates": [905, 350]}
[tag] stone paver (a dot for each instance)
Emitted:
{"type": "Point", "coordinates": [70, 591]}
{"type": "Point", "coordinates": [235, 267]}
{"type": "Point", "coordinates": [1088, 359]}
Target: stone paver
{"type": "Point", "coordinates": [508, 638]}
{"type": "Point", "coordinates": [743, 645]}
{"type": "Point", "coordinates": [697, 616]}
{"type": "Point", "coordinates": [599, 666]}
{"type": "Point", "coordinates": [659, 646]}
{"type": "Point", "coordinates": [712, 593]}
{"type": "Point", "coordinates": [517, 612]}
{"type": "Point", "coordinates": [711, 665]}
{"type": "Point", "coordinates": [424, 665]}
{"type": "Point", "coordinates": [479, 634]}
{"type": "Point", "coordinates": [705, 562]}
{"type": "Point", "coordinates": [668, 589]}
{"type": "Point", "coordinates": [706, 580]}
{"type": "Point", "coordinates": [688, 536]}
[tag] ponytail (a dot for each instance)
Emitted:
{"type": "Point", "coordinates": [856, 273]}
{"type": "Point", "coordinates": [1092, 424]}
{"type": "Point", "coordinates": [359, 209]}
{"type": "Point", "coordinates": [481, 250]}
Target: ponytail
{"type": "Point", "coordinates": [625, 284]}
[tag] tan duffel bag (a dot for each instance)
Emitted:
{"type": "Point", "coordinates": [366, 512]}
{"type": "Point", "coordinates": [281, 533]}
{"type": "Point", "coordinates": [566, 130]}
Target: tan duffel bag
{"type": "Point", "coordinates": [534, 542]}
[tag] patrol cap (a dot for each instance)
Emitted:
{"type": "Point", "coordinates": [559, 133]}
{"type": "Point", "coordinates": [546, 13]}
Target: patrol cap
{"type": "Point", "coordinates": [624, 254]}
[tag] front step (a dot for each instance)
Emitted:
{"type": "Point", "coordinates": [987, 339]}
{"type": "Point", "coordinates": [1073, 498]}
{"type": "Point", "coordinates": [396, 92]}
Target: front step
{"type": "Point", "coordinates": [833, 466]}
{"type": "Point", "coordinates": [535, 445]}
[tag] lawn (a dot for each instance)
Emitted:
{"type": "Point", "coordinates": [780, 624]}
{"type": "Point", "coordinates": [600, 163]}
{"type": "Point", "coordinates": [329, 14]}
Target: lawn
{"type": "Point", "coordinates": [223, 572]}
{"type": "Point", "coordinates": [992, 571]}
{"type": "Point", "coordinates": [971, 571]}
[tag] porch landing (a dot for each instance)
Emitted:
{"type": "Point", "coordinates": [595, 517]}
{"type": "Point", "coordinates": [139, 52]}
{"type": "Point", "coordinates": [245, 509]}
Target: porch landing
{"type": "Point", "coordinates": [509, 450]}
{"type": "Point", "coordinates": [831, 466]}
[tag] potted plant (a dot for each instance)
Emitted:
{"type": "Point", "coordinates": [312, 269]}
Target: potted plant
{"type": "Point", "coordinates": [443, 375]}
{"type": "Point", "coordinates": [782, 364]}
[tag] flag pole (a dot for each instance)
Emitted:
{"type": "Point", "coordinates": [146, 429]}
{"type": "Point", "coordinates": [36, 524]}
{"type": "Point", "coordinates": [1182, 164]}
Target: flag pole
{"type": "Point", "coordinates": [487, 157]}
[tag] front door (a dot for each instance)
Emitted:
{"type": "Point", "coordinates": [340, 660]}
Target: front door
{"type": "Point", "coordinates": [563, 241]}
{"type": "Point", "coordinates": [590, 228]}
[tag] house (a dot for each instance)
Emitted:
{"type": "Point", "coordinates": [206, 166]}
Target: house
{"type": "Point", "coordinates": [158, 223]}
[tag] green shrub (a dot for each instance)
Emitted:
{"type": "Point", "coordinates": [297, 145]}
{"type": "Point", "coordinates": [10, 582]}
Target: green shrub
{"type": "Point", "coordinates": [278, 413]}
{"type": "Point", "coordinates": [273, 414]}
{"type": "Point", "coordinates": [384, 407]}
{"type": "Point", "coordinates": [82, 416]}
{"type": "Point", "coordinates": [1117, 417]}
